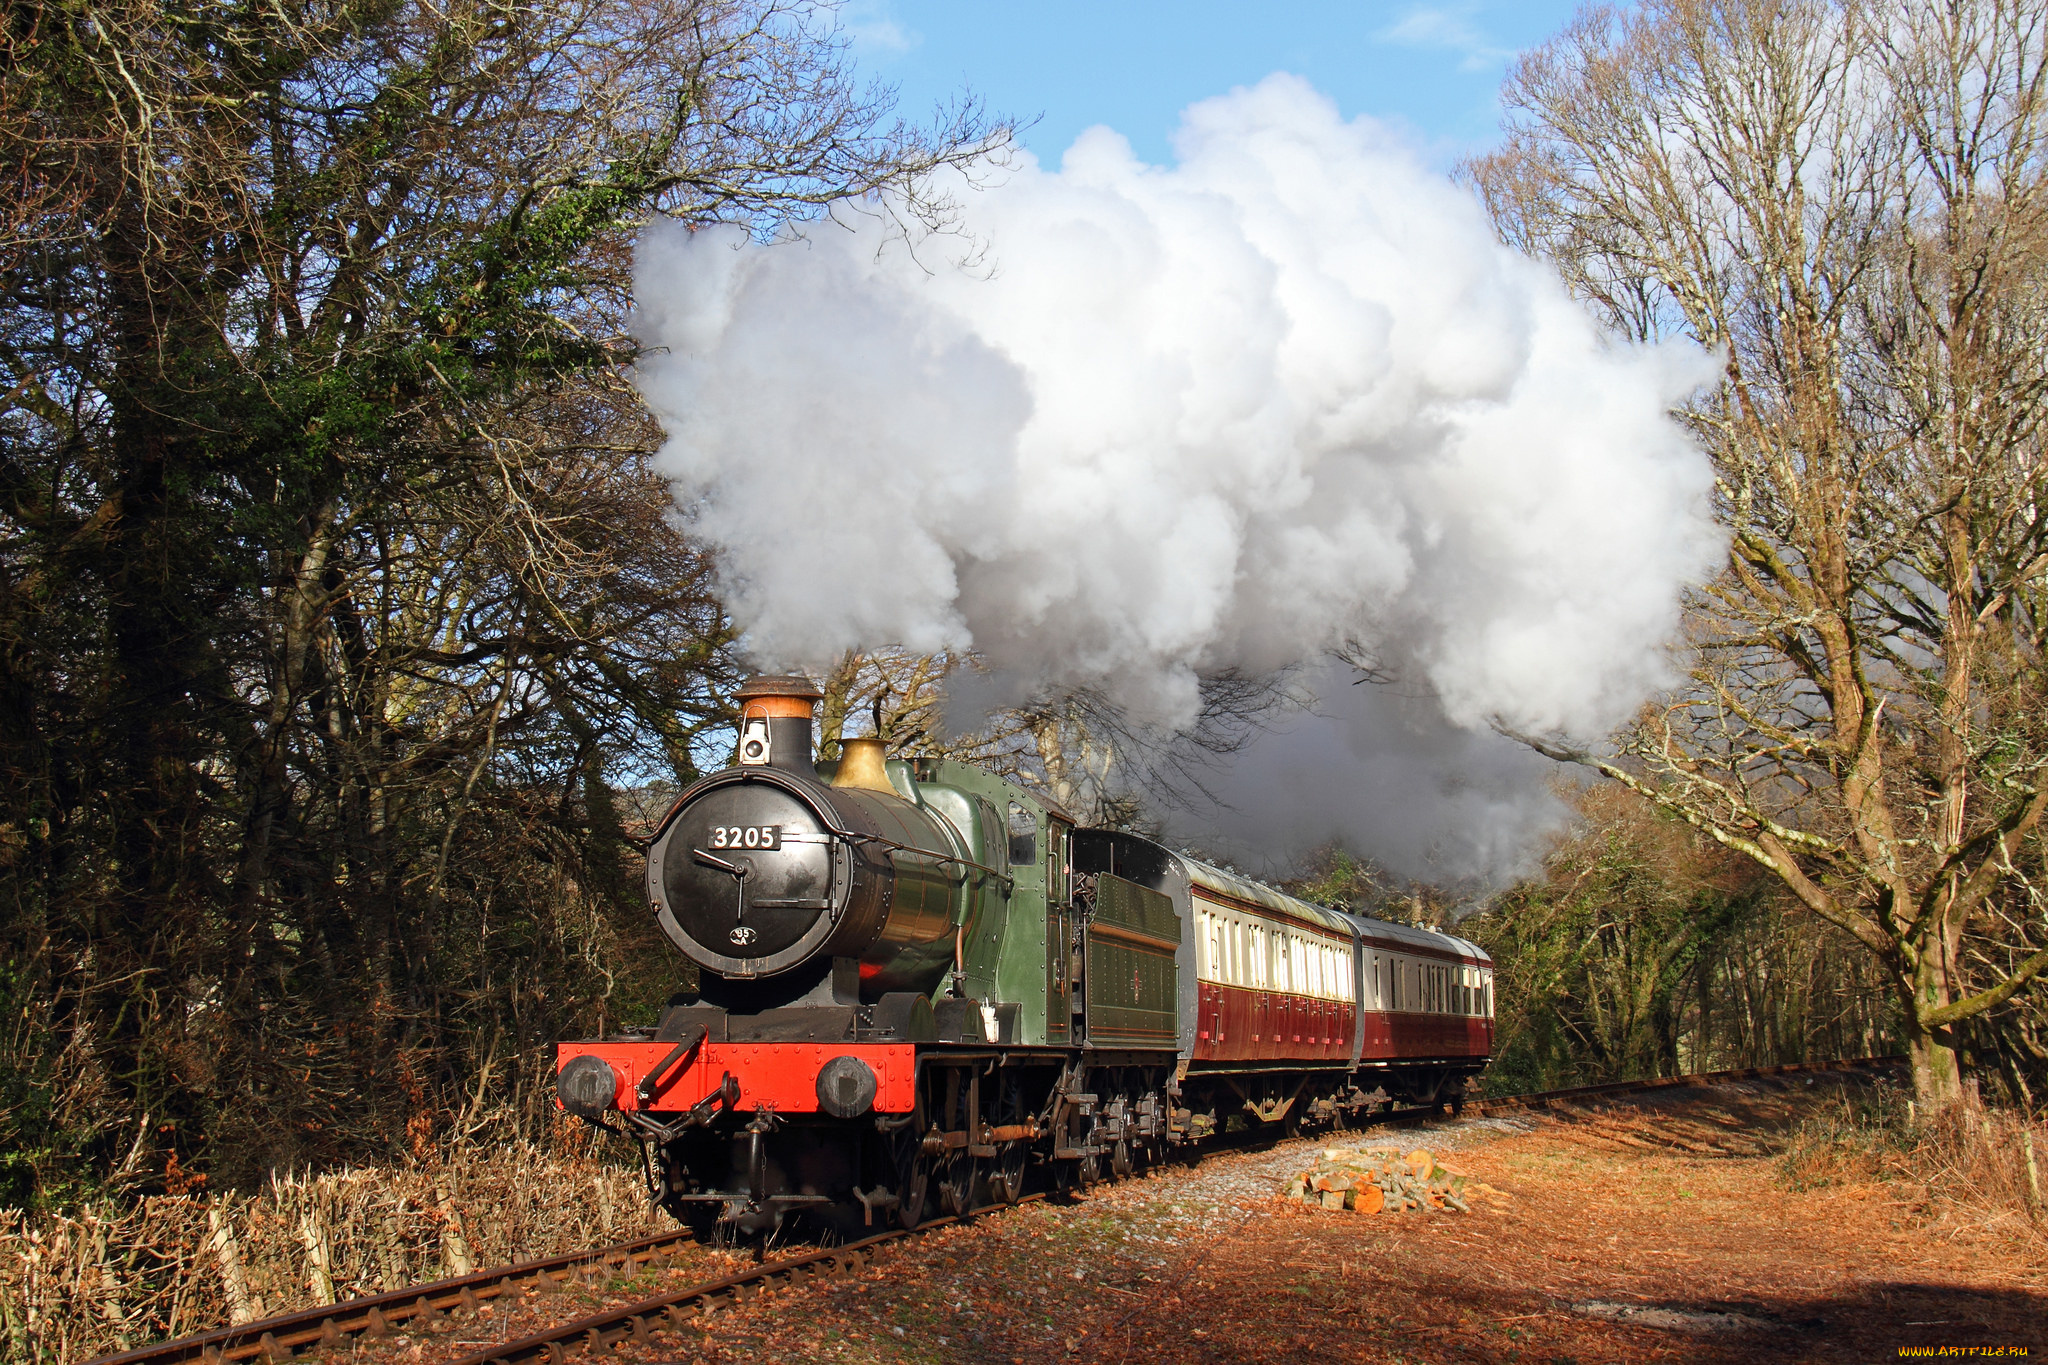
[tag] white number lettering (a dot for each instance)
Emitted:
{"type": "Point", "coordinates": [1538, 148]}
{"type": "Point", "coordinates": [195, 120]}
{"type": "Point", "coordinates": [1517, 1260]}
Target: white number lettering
{"type": "Point", "coordinates": [746, 836]}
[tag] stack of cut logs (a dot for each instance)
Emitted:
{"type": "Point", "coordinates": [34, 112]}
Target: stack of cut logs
{"type": "Point", "coordinates": [1373, 1179]}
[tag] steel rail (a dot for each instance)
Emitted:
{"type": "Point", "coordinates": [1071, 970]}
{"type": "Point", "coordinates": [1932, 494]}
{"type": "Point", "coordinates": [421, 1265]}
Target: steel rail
{"type": "Point", "coordinates": [327, 1325]}
{"type": "Point", "coordinates": [643, 1320]}
{"type": "Point", "coordinates": [1544, 1099]}
{"type": "Point", "coordinates": [377, 1315]}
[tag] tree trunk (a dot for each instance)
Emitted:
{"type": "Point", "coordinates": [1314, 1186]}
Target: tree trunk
{"type": "Point", "coordinates": [1937, 1078]}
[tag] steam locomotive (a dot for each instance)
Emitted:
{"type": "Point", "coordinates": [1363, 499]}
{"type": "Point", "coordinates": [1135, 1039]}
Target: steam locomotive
{"type": "Point", "coordinates": [922, 987]}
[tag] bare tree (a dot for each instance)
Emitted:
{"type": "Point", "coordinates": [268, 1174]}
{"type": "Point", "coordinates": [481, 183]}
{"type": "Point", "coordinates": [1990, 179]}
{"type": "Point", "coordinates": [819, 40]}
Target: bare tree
{"type": "Point", "coordinates": [336, 586]}
{"type": "Point", "coordinates": [1846, 201]}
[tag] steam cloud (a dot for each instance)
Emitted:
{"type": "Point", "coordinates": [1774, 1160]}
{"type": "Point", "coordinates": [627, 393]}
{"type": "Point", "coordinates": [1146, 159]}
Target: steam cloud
{"type": "Point", "coordinates": [1381, 771]}
{"type": "Point", "coordinates": [1287, 393]}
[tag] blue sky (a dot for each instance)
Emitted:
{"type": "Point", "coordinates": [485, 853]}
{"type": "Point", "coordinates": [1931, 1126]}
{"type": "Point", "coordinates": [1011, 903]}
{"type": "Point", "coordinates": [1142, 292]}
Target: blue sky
{"type": "Point", "coordinates": [1135, 64]}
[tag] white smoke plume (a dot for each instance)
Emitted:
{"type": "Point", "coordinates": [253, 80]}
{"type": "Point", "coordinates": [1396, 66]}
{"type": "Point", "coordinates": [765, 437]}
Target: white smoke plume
{"type": "Point", "coordinates": [1286, 393]}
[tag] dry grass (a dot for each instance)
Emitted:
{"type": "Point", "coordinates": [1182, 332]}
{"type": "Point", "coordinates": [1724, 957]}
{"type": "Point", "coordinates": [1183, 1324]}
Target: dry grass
{"type": "Point", "coordinates": [113, 1276]}
{"type": "Point", "coordinates": [1973, 1164]}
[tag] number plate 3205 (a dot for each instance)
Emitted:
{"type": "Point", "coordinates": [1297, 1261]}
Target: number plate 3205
{"type": "Point", "coordinates": [746, 836]}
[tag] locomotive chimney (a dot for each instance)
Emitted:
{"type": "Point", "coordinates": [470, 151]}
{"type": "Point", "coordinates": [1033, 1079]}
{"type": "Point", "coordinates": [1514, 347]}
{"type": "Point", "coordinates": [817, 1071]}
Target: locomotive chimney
{"type": "Point", "coordinates": [775, 722]}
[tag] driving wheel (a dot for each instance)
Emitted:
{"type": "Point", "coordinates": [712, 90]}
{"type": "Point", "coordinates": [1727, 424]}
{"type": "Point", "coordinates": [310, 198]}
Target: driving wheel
{"type": "Point", "coordinates": [1006, 1181]}
{"type": "Point", "coordinates": [917, 1182]}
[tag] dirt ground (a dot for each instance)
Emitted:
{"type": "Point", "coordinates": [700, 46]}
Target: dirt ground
{"type": "Point", "coordinates": [1655, 1229]}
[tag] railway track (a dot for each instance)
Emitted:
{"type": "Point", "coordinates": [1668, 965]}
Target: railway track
{"type": "Point", "coordinates": [329, 1326]}
{"type": "Point", "coordinates": [647, 1319]}
{"type": "Point", "coordinates": [379, 1315]}
{"type": "Point", "coordinates": [1544, 1099]}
